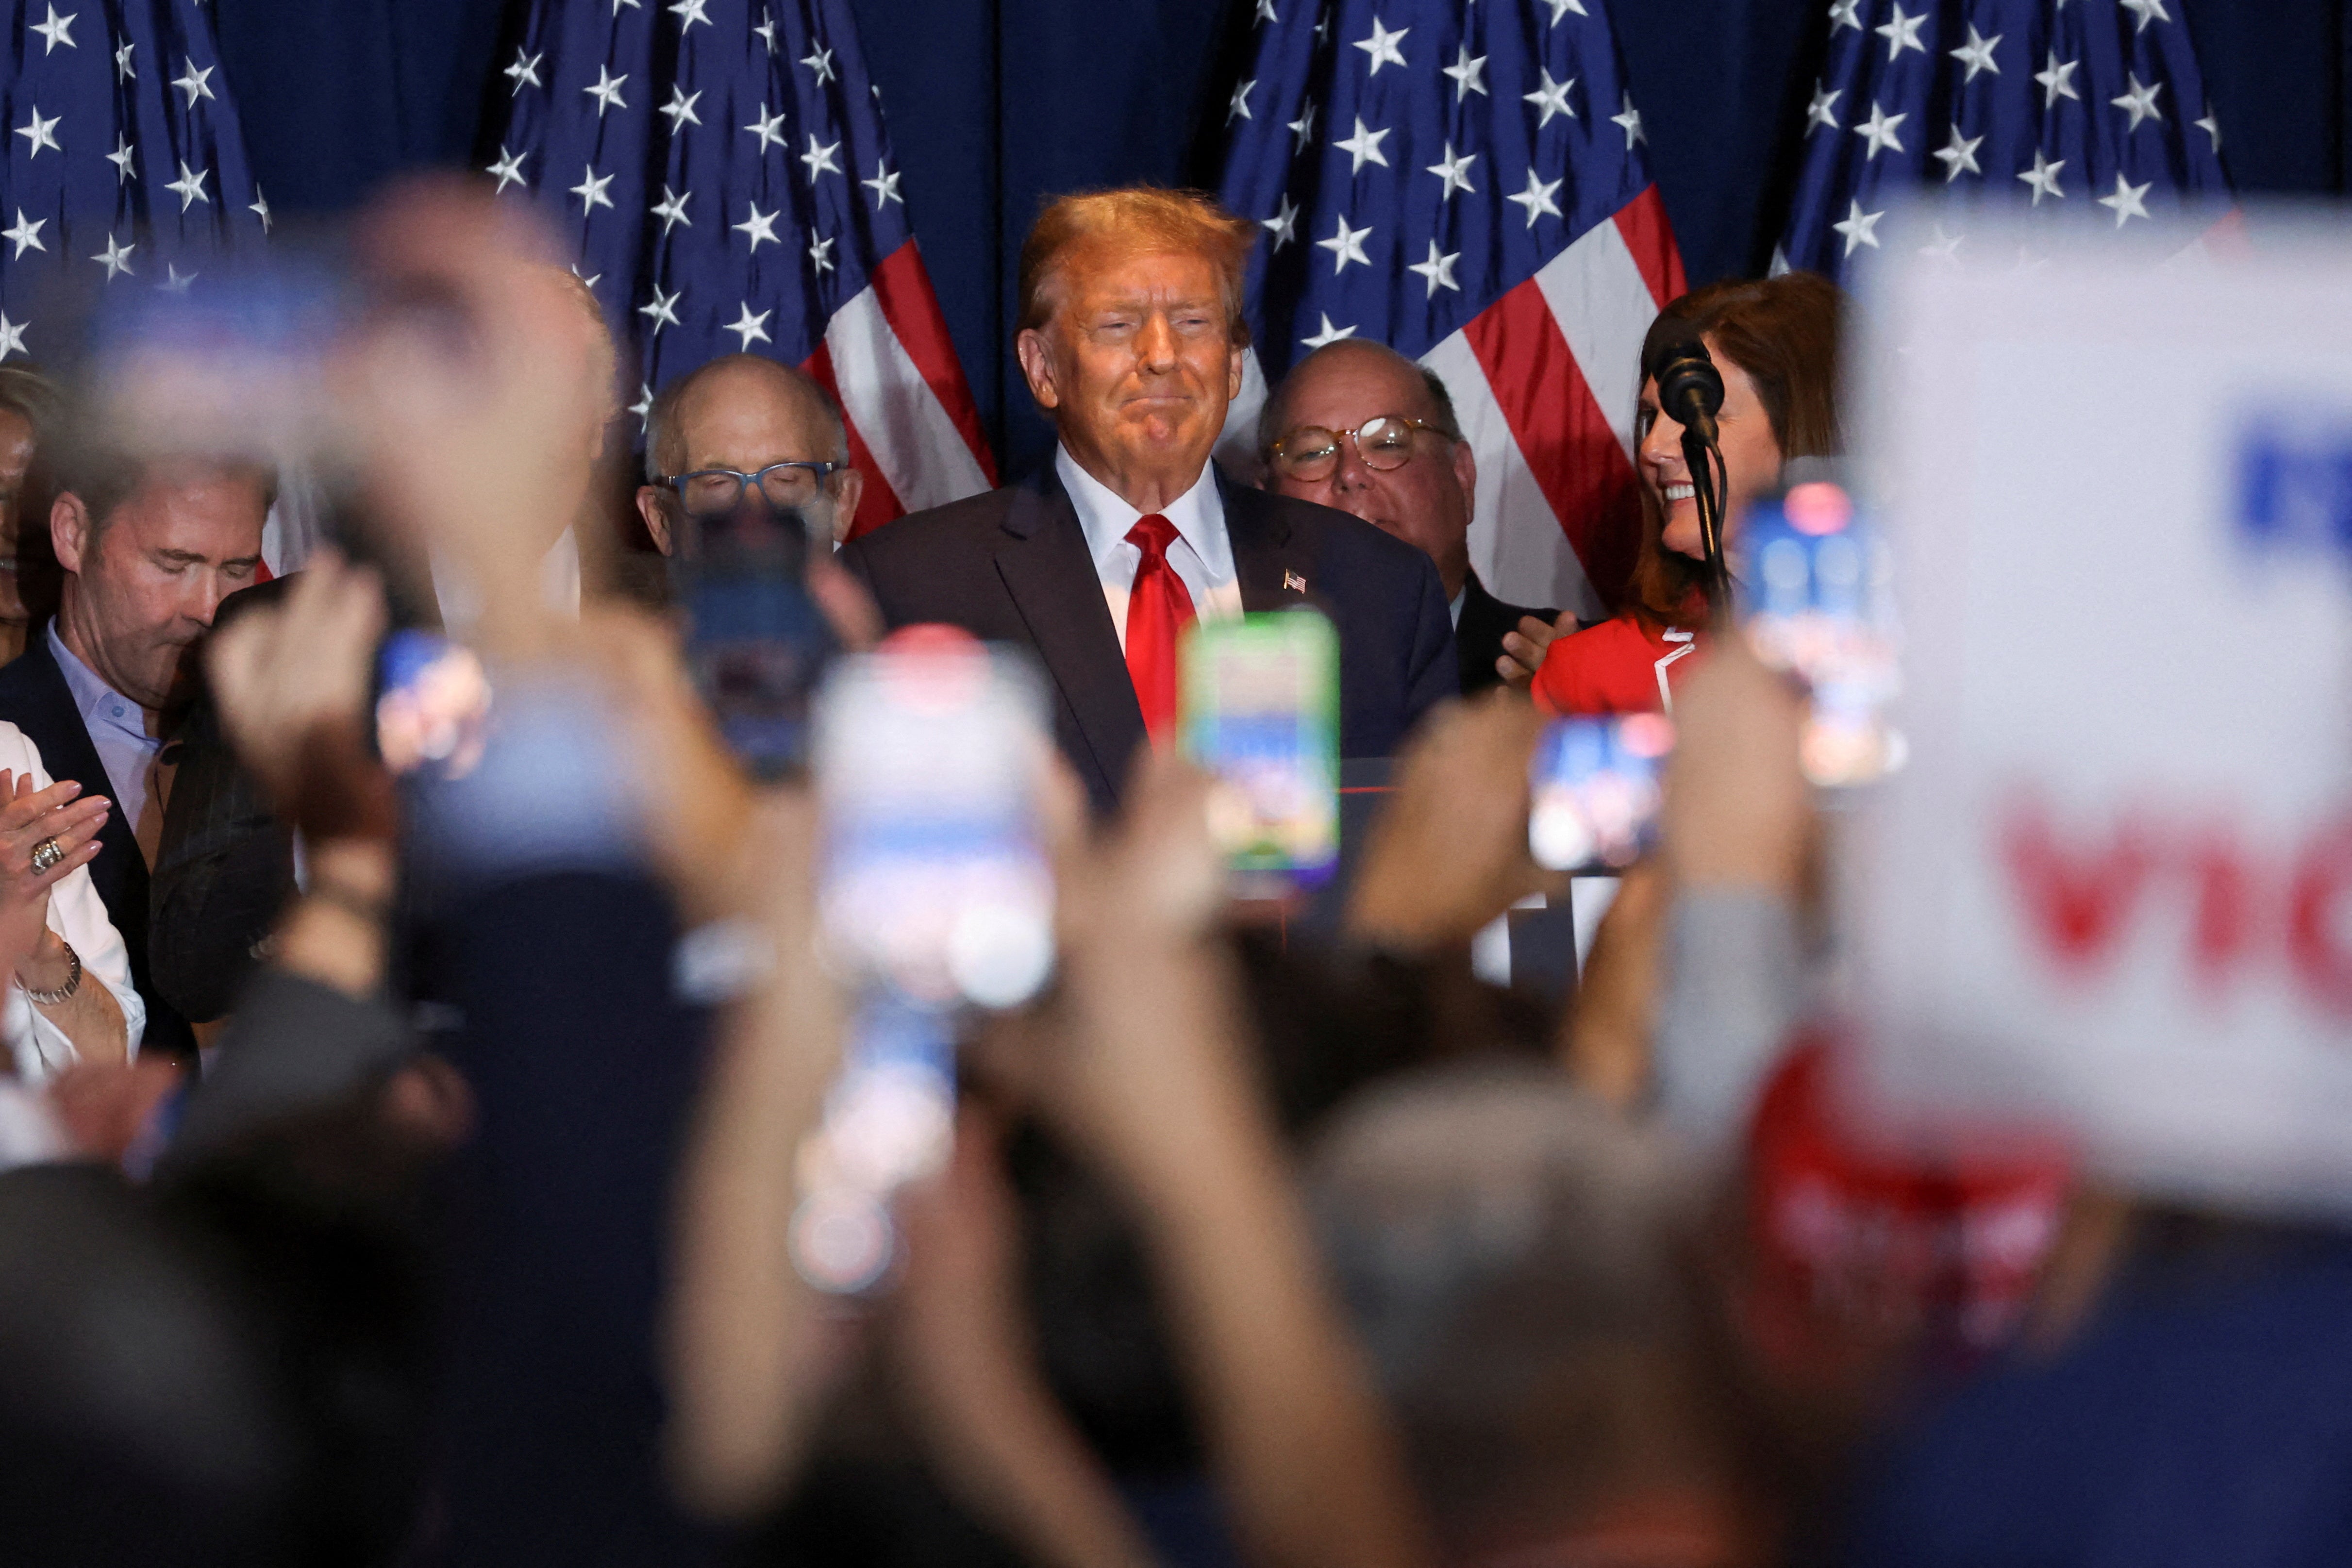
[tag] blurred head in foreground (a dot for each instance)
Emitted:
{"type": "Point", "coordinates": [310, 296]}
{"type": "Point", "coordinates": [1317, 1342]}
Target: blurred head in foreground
{"type": "Point", "coordinates": [1776, 342]}
{"type": "Point", "coordinates": [1358, 426]}
{"type": "Point", "coordinates": [137, 1422]}
{"type": "Point", "coordinates": [1517, 1262]}
{"type": "Point", "coordinates": [229, 1365]}
{"type": "Point", "coordinates": [593, 367]}
{"type": "Point", "coordinates": [1131, 333]}
{"type": "Point", "coordinates": [742, 415]}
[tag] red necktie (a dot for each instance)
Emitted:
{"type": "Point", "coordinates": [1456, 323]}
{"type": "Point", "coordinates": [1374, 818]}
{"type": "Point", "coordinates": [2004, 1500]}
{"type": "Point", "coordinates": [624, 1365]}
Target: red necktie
{"type": "Point", "coordinates": [1158, 609]}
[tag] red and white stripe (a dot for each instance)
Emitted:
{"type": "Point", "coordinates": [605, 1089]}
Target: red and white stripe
{"type": "Point", "coordinates": [886, 358]}
{"type": "Point", "coordinates": [914, 430]}
{"type": "Point", "coordinates": [1545, 381]}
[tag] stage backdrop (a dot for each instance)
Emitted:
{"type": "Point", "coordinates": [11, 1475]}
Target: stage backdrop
{"type": "Point", "coordinates": [992, 104]}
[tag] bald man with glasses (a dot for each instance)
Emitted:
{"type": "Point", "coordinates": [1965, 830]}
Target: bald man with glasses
{"type": "Point", "coordinates": [1358, 426]}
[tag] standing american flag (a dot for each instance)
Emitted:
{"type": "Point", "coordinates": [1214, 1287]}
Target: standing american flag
{"type": "Point", "coordinates": [2092, 108]}
{"type": "Point", "coordinates": [126, 168]}
{"type": "Point", "coordinates": [722, 168]}
{"type": "Point", "coordinates": [1465, 184]}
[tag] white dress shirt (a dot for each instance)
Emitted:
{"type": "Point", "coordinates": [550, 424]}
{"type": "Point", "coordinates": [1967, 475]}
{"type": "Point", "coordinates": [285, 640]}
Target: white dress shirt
{"type": "Point", "coordinates": [76, 914]}
{"type": "Point", "coordinates": [1202, 552]}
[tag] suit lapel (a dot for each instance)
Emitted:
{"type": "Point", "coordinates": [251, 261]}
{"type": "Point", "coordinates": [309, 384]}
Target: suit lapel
{"type": "Point", "coordinates": [55, 724]}
{"type": "Point", "coordinates": [1043, 561]}
{"type": "Point", "coordinates": [1482, 613]}
{"type": "Point", "coordinates": [1270, 568]}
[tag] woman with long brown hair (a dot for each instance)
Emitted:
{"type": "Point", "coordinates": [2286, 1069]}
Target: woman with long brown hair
{"type": "Point", "coordinates": [1776, 342]}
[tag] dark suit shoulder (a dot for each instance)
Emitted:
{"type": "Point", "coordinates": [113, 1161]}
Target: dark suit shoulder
{"type": "Point", "coordinates": [30, 672]}
{"type": "Point", "coordinates": [925, 531]}
{"type": "Point", "coordinates": [1479, 602]}
{"type": "Point", "coordinates": [35, 698]}
{"type": "Point", "coordinates": [1324, 527]}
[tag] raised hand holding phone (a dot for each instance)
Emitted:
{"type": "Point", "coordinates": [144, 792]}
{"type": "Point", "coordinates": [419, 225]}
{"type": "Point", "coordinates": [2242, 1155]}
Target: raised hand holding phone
{"type": "Point", "coordinates": [936, 897]}
{"type": "Point", "coordinates": [1819, 607]}
{"type": "Point", "coordinates": [1595, 791]}
{"type": "Point", "coordinates": [1260, 699]}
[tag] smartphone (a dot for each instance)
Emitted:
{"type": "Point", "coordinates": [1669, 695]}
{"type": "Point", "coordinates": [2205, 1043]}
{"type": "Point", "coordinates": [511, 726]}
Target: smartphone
{"type": "Point", "coordinates": [927, 757]}
{"type": "Point", "coordinates": [1820, 608]}
{"type": "Point", "coordinates": [757, 644]}
{"type": "Point", "coordinates": [1259, 710]}
{"type": "Point", "coordinates": [432, 706]}
{"type": "Point", "coordinates": [1595, 789]}
{"type": "Point", "coordinates": [889, 1119]}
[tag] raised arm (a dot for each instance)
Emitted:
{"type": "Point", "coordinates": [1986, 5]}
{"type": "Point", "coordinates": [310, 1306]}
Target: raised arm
{"type": "Point", "coordinates": [1156, 1088]}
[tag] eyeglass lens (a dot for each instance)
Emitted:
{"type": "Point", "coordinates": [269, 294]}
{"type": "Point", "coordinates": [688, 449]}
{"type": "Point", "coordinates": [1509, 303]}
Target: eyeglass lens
{"type": "Point", "coordinates": [717, 490]}
{"type": "Point", "coordinates": [1312, 452]}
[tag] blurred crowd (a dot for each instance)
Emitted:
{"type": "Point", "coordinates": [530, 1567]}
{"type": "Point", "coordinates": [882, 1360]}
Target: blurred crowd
{"type": "Point", "coordinates": [404, 1169]}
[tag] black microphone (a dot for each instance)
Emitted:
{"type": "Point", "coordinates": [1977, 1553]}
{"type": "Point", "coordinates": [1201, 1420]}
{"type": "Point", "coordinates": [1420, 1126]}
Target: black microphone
{"type": "Point", "coordinates": [1690, 389]}
{"type": "Point", "coordinates": [1690, 392]}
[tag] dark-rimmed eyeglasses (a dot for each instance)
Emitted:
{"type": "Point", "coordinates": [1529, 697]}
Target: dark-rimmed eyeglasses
{"type": "Point", "coordinates": [1310, 452]}
{"type": "Point", "coordinates": [706, 492]}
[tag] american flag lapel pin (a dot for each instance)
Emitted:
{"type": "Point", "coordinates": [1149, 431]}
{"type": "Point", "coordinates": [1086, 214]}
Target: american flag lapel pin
{"type": "Point", "coordinates": [1291, 583]}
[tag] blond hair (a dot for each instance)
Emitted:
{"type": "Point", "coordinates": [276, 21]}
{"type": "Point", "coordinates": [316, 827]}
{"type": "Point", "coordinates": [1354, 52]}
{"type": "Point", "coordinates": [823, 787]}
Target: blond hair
{"type": "Point", "coordinates": [1136, 220]}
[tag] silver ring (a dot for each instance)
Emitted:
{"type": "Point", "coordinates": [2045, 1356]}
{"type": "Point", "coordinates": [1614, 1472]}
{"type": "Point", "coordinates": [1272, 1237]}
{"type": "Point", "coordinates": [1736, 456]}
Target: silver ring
{"type": "Point", "coordinates": [46, 854]}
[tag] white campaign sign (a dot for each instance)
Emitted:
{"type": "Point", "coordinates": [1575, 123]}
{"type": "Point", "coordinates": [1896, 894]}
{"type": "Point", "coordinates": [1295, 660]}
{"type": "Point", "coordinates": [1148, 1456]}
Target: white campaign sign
{"type": "Point", "coordinates": [2113, 889]}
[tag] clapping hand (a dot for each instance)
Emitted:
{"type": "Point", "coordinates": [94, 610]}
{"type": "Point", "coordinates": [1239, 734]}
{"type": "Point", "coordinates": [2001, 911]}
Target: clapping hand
{"type": "Point", "coordinates": [46, 836]}
{"type": "Point", "coordinates": [1524, 649]}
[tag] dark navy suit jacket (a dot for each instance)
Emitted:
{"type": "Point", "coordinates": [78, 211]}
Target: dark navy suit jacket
{"type": "Point", "coordinates": [1012, 567]}
{"type": "Point", "coordinates": [1479, 633]}
{"type": "Point", "coordinates": [35, 698]}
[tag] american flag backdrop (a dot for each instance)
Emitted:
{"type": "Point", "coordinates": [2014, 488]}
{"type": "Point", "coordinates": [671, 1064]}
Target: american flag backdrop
{"type": "Point", "coordinates": [1465, 183]}
{"type": "Point", "coordinates": [125, 165]}
{"type": "Point", "coordinates": [722, 168]}
{"type": "Point", "coordinates": [2084, 110]}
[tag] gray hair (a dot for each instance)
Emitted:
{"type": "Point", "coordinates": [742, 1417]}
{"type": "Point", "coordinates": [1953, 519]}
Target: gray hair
{"type": "Point", "coordinates": [661, 421]}
{"type": "Point", "coordinates": [1516, 1259]}
{"type": "Point", "coordinates": [1270, 418]}
{"type": "Point", "coordinates": [33, 397]}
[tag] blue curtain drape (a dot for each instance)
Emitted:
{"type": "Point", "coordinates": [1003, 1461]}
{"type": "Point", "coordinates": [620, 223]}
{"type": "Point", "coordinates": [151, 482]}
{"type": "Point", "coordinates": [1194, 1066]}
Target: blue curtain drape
{"type": "Point", "coordinates": [993, 104]}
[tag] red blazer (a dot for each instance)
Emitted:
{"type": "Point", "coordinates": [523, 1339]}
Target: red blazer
{"type": "Point", "coordinates": [1624, 665]}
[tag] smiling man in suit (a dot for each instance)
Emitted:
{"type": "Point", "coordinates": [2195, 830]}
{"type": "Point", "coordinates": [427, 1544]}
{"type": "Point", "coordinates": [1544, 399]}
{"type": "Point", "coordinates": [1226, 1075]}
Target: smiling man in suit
{"type": "Point", "coordinates": [1133, 340]}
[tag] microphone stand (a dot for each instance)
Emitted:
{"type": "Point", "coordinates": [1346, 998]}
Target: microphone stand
{"type": "Point", "coordinates": [1690, 392]}
{"type": "Point", "coordinates": [1709, 479]}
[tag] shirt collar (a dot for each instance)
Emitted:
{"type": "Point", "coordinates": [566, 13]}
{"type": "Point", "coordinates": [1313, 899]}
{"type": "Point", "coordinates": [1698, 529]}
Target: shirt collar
{"type": "Point", "coordinates": [1453, 606]}
{"type": "Point", "coordinates": [1198, 515]}
{"type": "Point", "coordinates": [101, 706]}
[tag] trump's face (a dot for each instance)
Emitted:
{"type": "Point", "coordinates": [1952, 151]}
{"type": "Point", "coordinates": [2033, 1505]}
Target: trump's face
{"type": "Point", "coordinates": [1136, 368]}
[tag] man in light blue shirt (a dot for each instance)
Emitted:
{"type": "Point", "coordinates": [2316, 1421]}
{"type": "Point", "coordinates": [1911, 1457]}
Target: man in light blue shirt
{"type": "Point", "coordinates": [149, 548]}
{"type": "Point", "coordinates": [119, 728]}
